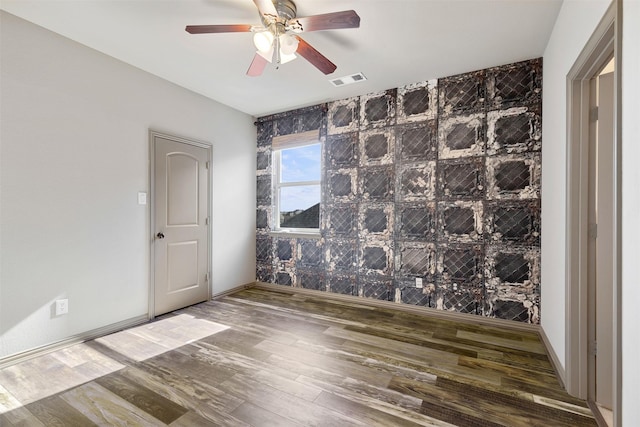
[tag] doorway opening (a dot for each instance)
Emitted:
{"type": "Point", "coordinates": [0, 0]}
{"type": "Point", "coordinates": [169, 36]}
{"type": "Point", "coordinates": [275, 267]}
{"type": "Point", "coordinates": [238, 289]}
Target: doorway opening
{"type": "Point", "coordinates": [593, 220]}
{"type": "Point", "coordinates": [600, 244]}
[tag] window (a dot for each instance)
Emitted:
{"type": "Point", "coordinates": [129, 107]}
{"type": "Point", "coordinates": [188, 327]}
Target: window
{"type": "Point", "coordinates": [297, 187]}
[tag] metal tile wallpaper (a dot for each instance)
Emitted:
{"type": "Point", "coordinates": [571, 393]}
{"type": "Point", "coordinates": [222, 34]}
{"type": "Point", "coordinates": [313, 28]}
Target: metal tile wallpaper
{"type": "Point", "coordinates": [418, 102]}
{"type": "Point", "coordinates": [377, 147]}
{"type": "Point", "coordinates": [341, 150]}
{"type": "Point", "coordinates": [430, 195]}
{"type": "Point", "coordinates": [342, 284]}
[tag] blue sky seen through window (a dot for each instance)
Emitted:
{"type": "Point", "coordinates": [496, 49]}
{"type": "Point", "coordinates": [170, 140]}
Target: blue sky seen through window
{"type": "Point", "coordinates": [299, 197]}
{"type": "Point", "coordinates": [300, 164]}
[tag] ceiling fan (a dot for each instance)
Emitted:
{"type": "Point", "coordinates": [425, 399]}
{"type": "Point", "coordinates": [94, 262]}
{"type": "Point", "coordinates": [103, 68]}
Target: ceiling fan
{"type": "Point", "coordinates": [277, 40]}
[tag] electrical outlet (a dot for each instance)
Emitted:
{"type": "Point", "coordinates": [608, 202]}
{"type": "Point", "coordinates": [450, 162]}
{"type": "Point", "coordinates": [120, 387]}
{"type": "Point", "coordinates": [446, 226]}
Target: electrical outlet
{"type": "Point", "coordinates": [62, 306]}
{"type": "Point", "coordinates": [419, 282]}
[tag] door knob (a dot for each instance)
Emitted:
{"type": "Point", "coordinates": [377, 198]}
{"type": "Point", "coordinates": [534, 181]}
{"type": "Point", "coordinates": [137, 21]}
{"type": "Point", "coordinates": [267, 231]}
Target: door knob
{"type": "Point", "coordinates": [160, 235]}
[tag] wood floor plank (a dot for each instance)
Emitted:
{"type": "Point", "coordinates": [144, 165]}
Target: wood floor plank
{"type": "Point", "coordinates": [295, 388]}
{"type": "Point", "coordinates": [541, 413]}
{"type": "Point", "coordinates": [193, 419]}
{"type": "Point", "coordinates": [372, 417]}
{"type": "Point", "coordinates": [288, 406]}
{"type": "Point", "coordinates": [389, 342]}
{"type": "Point", "coordinates": [369, 395]}
{"type": "Point", "coordinates": [328, 310]}
{"type": "Point", "coordinates": [463, 350]}
{"type": "Point", "coordinates": [461, 419]}
{"type": "Point", "coordinates": [530, 375]}
{"type": "Point", "coordinates": [257, 416]}
{"type": "Point", "coordinates": [189, 367]}
{"type": "Point", "coordinates": [371, 357]}
{"type": "Point", "coordinates": [542, 390]}
{"type": "Point", "coordinates": [238, 342]}
{"type": "Point", "coordinates": [260, 358]}
{"type": "Point", "coordinates": [340, 367]}
{"type": "Point", "coordinates": [191, 394]}
{"type": "Point", "coordinates": [106, 409]}
{"type": "Point", "coordinates": [527, 346]}
{"type": "Point", "coordinates": [439, 362]}
{"type": "Point", "coordinates": [429, 366]}
{"type": "Point", "coordinates": [204, 402]}
{"type": "Point", "coordinates": [444, 405]}
{"type": "Point", "coordinates": [20, 417]}
{"type": "Point", "coordinates": [53, 411]}
{"type": "Point", "coordinates": [140, 396]}
{"type": "Point", "coordinates": [391, 402]}
{"type": "Point", "coordinates": [496, 408]}
{"type": "Point", "coordinates": [206, 416]}
{"type": "Point", "coordinates": [520, 361]}
{"type": "Point", "coordinates": [581, 408]}
{"type": "Point", "coordinates": [486, 349]}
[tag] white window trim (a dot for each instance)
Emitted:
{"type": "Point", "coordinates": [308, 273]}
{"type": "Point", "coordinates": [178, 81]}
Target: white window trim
{"type": "Point", "coordinates": [277, 185]}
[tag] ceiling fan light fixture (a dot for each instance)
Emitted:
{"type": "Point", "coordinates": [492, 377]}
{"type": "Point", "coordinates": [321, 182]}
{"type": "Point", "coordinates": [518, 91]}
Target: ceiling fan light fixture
{"type": "Point", "coordinates": [288, 44]}
{"type": "Point", "coordinates": [268, 55]}
{"type": "Point", "coordinates": [276, 40]}
{"type": "Point", "coordinates": [263, 41]}
{"type": "Point", "coordinates": [284, 57]}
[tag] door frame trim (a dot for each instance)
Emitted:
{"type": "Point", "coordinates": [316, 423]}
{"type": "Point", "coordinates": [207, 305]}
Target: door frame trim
{"type": "Point", "coordinates": [153, 134]}
{"type": "Point", "coordinates": [606, 40]}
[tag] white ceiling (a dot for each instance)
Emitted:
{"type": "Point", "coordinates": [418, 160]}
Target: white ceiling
{"type": "Point", "coordinates": [398, 42]}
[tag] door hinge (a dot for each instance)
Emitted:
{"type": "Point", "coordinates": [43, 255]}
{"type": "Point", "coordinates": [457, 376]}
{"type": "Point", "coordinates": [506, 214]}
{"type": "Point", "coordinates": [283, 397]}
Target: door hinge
{"type": "Point", "coordinates": [206, 278]}
{"type": "Point", "coordinates": [206, 221]}
{"type": "Point", "coordinates": [593, 114]}
{"type": "Point", "coordinates": [593, 231]}
{"type": "Point", "coordinates": [593, 348]}
{"type": "Point", "coordinates": [206, 164]}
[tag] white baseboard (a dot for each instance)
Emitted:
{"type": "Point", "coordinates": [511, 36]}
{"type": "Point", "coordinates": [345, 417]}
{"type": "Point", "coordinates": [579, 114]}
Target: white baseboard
{"type": "Point", "coordinates": [232, 290]}
{"type": "Point", "coordinates": [75, 339]}
{"type": "Point", "coordinates": [555, 360]}
{"type": "Point", "coordinates": [95, 333]}
{"type": "Point", "coordinates": [413, 309]}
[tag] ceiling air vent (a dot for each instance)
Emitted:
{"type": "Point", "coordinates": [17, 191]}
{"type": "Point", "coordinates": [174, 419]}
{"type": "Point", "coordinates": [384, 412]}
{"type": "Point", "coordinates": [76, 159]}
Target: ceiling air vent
{"type": "Point", "coordinates": [347, 80]}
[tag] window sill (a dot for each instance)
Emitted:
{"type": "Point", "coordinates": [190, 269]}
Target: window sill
{"type": "Point", "coordinates": [296, 234]}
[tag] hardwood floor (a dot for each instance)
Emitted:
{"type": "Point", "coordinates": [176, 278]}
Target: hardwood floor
{"type": "Point", "coordinates": [264, 358]}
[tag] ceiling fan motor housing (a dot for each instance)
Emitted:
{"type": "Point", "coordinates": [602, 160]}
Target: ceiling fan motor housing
{"type": "Point", "coordinates": [286, 9]}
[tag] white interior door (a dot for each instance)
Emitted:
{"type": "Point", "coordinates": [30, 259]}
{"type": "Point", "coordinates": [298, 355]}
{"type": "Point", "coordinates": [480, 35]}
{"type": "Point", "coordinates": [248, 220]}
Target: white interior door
{"type": "Point", "coordinates": [604, 243]}
{"type": "Point", "coordinates": [181, 234]}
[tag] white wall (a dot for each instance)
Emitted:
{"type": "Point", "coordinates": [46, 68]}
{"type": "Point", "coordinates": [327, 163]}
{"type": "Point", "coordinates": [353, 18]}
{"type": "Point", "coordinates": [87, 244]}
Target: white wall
{"type": "Point", "coordinates": [73, 154]}
{"type": "Point", "coordinates": [575, 24]}
{"type": "Point", "coordinates": [630, 211]}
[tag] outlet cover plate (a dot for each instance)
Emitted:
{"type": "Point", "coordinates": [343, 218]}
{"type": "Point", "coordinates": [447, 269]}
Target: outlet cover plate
{"type": "Point", "coordinates": [62, 307]}
{"type": "Point", "coordinates": [419, 282]}
{"type": "Point", "coordinates": [142, 198]}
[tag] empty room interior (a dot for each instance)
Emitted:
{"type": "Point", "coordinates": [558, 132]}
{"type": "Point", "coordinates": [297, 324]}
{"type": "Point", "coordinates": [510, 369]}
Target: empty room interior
{"type": "Point", "coordinates": [305, 212]}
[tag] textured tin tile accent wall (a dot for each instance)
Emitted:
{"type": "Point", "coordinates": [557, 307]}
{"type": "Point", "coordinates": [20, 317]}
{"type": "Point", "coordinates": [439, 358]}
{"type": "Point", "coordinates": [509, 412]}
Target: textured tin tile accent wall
{"type": "Point", "coordinates": [437, 180]}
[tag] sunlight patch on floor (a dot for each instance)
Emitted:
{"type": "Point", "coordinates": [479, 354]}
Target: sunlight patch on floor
{"type": "Point", "coordinates": [149, 340]}
{"type": "Point", "coordinates": [52, 373]}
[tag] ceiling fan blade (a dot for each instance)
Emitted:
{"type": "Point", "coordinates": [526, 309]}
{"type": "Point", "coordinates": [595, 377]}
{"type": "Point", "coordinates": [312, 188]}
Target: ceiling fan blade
{"type": "Point", "coordinates": [329, 21]}
{"type": "Point", "coordinates": [316, 58]}
{"type": "Point", "coordinates": [205, 29]}
{"type": "Point", "coordinates": [266, 7]}
{"type": "Point", "coordinates": [257, 66]}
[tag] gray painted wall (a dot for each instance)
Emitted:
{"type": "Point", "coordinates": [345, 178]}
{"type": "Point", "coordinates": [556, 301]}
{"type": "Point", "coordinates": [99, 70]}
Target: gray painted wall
{"type": "Point", "coordinates": [74, 154]}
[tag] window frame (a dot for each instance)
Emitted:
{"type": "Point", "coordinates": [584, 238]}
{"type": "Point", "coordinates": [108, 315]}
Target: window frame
{"type": "Point", "coordinates": [278, 185]}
